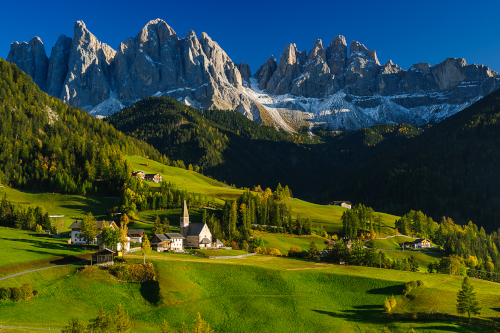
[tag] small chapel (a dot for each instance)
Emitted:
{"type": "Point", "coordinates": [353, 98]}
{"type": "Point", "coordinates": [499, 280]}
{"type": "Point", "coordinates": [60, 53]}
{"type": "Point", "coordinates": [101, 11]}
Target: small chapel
{"type": "Point", "coordinates": [197, 235]}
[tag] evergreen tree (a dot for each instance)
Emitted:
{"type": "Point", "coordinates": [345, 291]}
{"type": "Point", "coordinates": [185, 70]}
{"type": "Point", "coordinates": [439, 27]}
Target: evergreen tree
{"type": "Point", "coordinates": [201, 326]}
{"type": "Point", "coordinates": [466, 299]}
{"type": "Point", "coordinates": [123, 323]}
{"type": "Point", "coordinates": [166, 225]}
{"type": "Point", "coordinates": [75, 326]}
{"type": "Point", "coordinates": [157, 226]}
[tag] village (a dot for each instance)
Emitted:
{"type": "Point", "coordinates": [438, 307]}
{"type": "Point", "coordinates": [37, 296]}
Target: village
{"type": "Point", "coordinates": [191, 236]}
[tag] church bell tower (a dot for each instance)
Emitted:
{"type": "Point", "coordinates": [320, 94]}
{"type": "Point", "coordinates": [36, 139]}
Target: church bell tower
{"type": "Point", "coordinates": [184, 223]}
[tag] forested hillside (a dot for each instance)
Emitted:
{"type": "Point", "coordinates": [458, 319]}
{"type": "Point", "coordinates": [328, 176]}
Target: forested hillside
{"type": "Point", "coordinates": [231, 148]}
{"type": "Point", "coordinates": [452, 169]}
{"type": "Point", "coordinates": [50, 146]}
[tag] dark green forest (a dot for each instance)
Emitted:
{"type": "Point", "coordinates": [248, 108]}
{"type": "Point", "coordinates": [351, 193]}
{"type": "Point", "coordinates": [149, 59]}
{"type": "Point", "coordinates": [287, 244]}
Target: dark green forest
{"type": "Point", "coordinates": [451, 169]}
{"type": "Point", "coordinates": [229, 147]}
{"type": "Point", "coordinates": [49, 146]}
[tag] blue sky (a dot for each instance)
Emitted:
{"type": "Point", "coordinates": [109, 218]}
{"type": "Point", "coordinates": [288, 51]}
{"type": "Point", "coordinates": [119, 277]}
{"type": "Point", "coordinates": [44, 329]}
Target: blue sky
{"type": "Point", "coordinates": [405, 31]}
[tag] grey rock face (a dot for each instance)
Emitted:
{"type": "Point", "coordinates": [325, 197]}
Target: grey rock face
{"type": "Point", "coordinates": [88, 81]}
{"type": "Point", "coordinates": [336, 58]}
{"type": "Point", "coordinates": [315, 79]}
{"type": "Point", "coordinates": [32, 59]}
{"type": "Point", "coordinates": [58, 65]}
{"type": "Point", "coordinates": [289, 68]}
{"type": "Point", "coordinates": [245, 71]}
{"type": "Point", "coordinates": [265, 72]}
{"type": "Point", "coordinates": [362, 69]}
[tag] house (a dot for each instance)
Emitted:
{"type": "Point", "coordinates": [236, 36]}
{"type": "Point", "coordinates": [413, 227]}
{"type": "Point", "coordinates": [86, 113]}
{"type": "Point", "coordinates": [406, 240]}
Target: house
{"type": "Point", "coordinates": [407, 245]}
{"type": "Point", "coordinates": [345, 204]}
{"type": "Point", "coordinates": [153, 177]}
{"type": "Point", "coordinates": [197, 235]}
{"type": "Point", "coordinates": [77, 238]}
{"type": "Point", "coordinates": [104, 256]}
{"type": "Point", "coordinates": [218, 244]}
{"type": "Point", "coordinates": [135, 235]}
{"type": "Point", "coordinates": [167, 242]}
{"type": "Point", "coordinates": [422, 243]}
{"type": "Point", "coordinates": [138, 174]}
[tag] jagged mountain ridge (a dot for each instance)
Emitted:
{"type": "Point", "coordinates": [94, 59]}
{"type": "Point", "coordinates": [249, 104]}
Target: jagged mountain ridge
{"type": "Point", "coordinates": [328, 88]}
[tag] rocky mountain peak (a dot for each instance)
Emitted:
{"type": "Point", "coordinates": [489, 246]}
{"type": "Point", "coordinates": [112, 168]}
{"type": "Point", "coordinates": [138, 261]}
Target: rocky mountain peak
{"type": "Point", "coordinates": [32, 59]}
{"type": "Point", "coordinates": [359, 50]}
{"type": "Point", "coordinates": [265, 72]}
{"type": "Point", "coordinates": [336, 58]}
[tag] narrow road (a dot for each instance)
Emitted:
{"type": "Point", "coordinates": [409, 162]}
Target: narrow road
{"type": "Point", "coordinates": [36, 270]}
{"type": "Point", "coordinates": [30, 328]}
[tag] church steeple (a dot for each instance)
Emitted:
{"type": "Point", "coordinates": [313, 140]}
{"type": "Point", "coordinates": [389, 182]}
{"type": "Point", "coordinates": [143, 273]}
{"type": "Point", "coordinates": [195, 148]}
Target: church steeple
{"type": "Point", "coordinates": [184, 223]}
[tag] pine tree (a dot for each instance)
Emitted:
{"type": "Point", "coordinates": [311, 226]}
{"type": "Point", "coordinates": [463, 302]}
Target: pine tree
{"type": "Point", "coordinates": [122, 320]}
{"type": "Point", "coordinates": [166, 225]}
{"type": "Point", "coordinates": [466, 299]}
{"type": "Point", "coordinates": [157, 227]}
{"type": "Point", "coordinates": [75, 326]}
{"type": "Point", "coordinates": [201, 326]}
{"type": "Point", "coordinates": [146, 247]}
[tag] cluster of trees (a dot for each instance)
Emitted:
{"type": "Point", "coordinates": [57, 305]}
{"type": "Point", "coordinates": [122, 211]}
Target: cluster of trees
{"type": "Point", "coordinates": [354, 253]}
{"type": "Point", "coordinates": [16, 294]}
{"type": "Point", "coordinates": [261, 207]}
{"type": "Point", "coordinates": [361, 221]}
{"type": "Point", "coordinates": [468, 248]}
{"type": "Point", "coordinates": [48, 145]}
{"type": "Point", "coordinates": [139, 196]}
{"type": "Point", "coordinates": [13, 216]}
{"type": "Point", "coordinates": [119, 321]}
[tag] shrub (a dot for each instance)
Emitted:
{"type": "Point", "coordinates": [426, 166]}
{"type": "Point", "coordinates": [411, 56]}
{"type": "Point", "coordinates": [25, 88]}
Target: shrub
{"type": "Point", "coordinates": [413, 284]}
{"type": "Point", "coordinates": [420, 283]}
{"type": "Point", "coordinates": [273, 252]}
{"type": "Point", "coordinates": [296, 252]}
{"type": "Point", "coordinates": [134, 272]}
{"type": "Point", "coordinates": [392, 301]}
{"type": "Point", "coordinates": [26, 291]}
{"type": "Point", "coordinates": [5, 293]}
{"type": "Point", "coordinates": [87, 270]}
{"type": "Point", "coordinates": [387, 306]}
{"type": "Point", "coordinates": [16, 294]}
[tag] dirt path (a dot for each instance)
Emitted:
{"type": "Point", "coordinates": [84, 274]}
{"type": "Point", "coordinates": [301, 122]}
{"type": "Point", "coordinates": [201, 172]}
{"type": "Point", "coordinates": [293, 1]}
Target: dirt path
{"type": "Point", "coordinates": [30, 328]}
{"type": "Point", "coordinates": [36, 270]}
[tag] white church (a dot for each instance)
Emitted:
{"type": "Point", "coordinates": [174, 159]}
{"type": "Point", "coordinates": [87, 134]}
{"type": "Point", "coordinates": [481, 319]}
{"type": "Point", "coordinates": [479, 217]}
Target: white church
{"type": "Point", "coordinates": [191, 236]}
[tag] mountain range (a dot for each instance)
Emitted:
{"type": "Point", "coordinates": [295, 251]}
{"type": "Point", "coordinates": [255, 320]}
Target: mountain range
{"type": "Point", "coordinates": [335, 88]}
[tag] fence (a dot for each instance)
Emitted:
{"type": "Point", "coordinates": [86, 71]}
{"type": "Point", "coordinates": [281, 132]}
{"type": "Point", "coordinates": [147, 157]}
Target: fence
{"type": "Point", "coordinates": [233, 257]}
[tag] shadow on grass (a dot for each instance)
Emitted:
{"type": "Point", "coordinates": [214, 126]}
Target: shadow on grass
{"type": "Point", "coordinates": [391, 290]}
{"type": "Point", "coordinates": [150, 291]}
{"type": "Point", "coordinates": [375, 315]}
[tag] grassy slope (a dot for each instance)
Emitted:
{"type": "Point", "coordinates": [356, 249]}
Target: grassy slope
{"type": "Point", "coordinates": [20, 250]}
{"type": "Point", "coordinates": [257, 294]}
{"type": "Point", "coordinates": [283, 242]}
{"type": "Point", "coordinates": [326, 216]}
{"type": "Point", "coordinates": [72, 206]}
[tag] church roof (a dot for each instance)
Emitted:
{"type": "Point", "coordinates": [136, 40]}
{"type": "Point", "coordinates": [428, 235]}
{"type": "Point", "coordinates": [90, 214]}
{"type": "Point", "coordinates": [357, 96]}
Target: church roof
{"type": "Point", "coordinates": [195, 229]}
{"type": "Point", "coordinates": [185, 210]}
{"type": "Point", "coordinates": [174, 235]}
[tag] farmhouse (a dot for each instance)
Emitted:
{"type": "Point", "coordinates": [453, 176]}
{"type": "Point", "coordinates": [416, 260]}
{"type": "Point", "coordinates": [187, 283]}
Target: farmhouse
{"type": "Point", "coordinates": [167, 242]}
{"type": "Point", "coordinates": [77, 238]}
{"type": "Point", "coordinates": [153, 177]}
{"type": "Point", "coordinates": [135, 235]}
{"type": "Point", "coordinates": [422, 243]}
{"type": "Point", "coordinates": [345, 204]}
{"type": "Point", "coordinates": [138, 174]}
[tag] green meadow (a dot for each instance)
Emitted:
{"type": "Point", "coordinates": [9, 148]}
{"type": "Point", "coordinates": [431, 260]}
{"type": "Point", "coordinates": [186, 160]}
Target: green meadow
{"type": "Point", "coordinates": [22, 250]}
{"type": "Point", "coordinates": [71, 206]}
{"type": "Point", "coordinates": [255, 294]}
